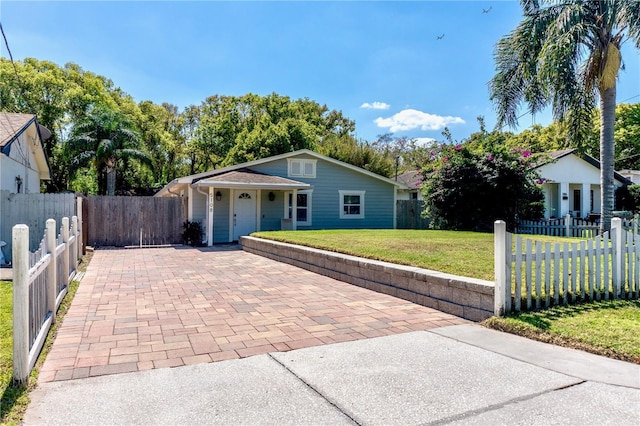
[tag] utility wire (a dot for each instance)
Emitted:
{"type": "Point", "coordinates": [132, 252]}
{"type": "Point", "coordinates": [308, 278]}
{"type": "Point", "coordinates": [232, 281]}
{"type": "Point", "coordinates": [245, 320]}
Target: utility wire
{"type": "Point", "coordinates": [15, 70]}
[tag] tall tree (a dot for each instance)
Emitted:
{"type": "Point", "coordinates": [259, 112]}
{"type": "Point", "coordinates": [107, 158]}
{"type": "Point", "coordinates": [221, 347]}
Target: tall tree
{"type": "Point", "coordinates": [102, 139]}
{"type": "Point", "coordinates": [563, 54]}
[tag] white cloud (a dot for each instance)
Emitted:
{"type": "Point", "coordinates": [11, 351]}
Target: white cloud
{"type": "Point", "coordinates": [410, 119]}
{"type": "Point", "coordinates": [424, 141]}
{"type": "Point", "coordinates": [375, 105]}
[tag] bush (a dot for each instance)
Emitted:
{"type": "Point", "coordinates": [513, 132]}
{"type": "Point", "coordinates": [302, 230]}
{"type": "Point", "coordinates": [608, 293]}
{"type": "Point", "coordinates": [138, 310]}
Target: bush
{"type": "Point", "coordinates": [192, 233]}
{"type": "Point", "coordinates": [466, 190]}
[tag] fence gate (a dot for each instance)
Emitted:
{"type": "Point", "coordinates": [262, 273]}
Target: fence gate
{"type": "Point", "coordinates": [134, 221]}
{"type": "Point", "coordinates": [409, 215]}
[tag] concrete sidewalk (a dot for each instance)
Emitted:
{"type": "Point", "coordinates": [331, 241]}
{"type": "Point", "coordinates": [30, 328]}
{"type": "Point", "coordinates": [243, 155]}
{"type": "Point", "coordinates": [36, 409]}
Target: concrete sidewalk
{"type": "Point", "coordinates": [461, 374]}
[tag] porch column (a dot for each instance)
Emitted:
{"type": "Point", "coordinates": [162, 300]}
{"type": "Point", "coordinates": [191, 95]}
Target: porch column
{"type": "Point", "coordinates": [564, 198]}
{"type": "Point", "coordinates": [190, 203]}
{"type": "Point", "coordinates": [210, 198]}
{"type": "Point", "coordinates": [294, 210]}
{"type": "Point", "coordinates": [585, 204]}
{"type": "Point", "coordinates": [258, 208]}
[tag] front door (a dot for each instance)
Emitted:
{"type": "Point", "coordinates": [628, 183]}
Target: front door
{"type": "Point", "coordinates": [244, 213]}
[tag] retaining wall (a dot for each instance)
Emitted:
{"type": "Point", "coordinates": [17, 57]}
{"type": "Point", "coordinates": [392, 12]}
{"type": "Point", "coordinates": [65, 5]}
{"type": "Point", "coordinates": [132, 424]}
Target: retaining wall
{"type": "Point", "coordinates": [468, 298]}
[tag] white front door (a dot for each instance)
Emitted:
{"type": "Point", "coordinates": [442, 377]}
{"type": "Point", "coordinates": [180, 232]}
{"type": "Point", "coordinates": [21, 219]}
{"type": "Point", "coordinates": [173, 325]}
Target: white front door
{"type": "Point", "coordinates": [244, 213]}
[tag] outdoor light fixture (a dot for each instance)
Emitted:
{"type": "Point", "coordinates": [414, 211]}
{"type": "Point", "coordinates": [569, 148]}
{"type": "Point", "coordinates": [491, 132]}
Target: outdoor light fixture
{"type": "Point", "coordinates": [19, 183]}
{"type": "Point", "coordinates": [218, 196]}
{"type": "Point", "coordinates": [272, 196]}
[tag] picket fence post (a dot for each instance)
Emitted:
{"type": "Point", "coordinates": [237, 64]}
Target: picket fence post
{"type": "Point", "coordinates": [74, 232]}
{"type": "Point", "coordinates": [65, 254]}
{"type": "Point", "coordinates": [20, 257]}
{"type": "Point", "coordinates": [567, 224]}
{"type": "Point", "coordinates": [81, 237]}
{"type": "Point", "coordinates": [616, 237]}
{"type": "Point", "coordinates": [52, 282]}
{"type": "Point", "coordinates": [500, 267]}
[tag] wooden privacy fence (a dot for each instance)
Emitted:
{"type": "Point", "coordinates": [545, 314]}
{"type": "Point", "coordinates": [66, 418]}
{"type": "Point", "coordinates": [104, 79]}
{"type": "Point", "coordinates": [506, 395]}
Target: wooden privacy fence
{"type": "Point", "coordinates": [409, 215]}
{"type": "Point", "coordinates": [40, 282]}
{"type": "Point", "coordinates": [532, 275]}
{"type": "Point", "coordinates": [33, 210]}
{"type": "Point", "coordinates": [134, 221]}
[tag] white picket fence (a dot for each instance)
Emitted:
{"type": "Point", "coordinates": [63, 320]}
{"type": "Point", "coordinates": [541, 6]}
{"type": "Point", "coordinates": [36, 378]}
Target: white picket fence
{"type": "Point", "coordinates": [40, 282]}
{"type": "Point", "coordinates": [532, 275]}
{"type": "Point", "coordinates": [569, 227]}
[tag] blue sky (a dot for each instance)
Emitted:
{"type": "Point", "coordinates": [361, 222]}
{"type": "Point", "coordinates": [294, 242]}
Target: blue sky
{"type": "Point", "coordinates": [380, 63]}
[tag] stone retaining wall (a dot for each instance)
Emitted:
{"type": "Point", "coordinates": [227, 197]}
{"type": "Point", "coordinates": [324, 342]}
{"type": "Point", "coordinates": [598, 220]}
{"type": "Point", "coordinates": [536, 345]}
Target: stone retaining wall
{"type": "Point", "coordinates": [468, 298]}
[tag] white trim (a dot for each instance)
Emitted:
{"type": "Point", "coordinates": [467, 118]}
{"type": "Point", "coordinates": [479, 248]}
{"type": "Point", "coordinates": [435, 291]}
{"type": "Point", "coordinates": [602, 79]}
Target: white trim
{"type": "Point", "coordinates": [258, 208]}
{"type": "Point", "coordinates": [303, 162]}
{"type": "Point", "coordinates": [309, 194]}
{"type": "Point", "coordinates": [231, 198]}
{"type": "Point", "coordinates": [210, 201]}
{"type": "Point", "coordinates": [344, 192]}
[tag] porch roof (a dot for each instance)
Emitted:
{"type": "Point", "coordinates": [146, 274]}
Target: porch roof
{"type": "Point", "coordinates": [246, 178]}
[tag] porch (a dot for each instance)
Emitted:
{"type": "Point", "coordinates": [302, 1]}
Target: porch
{"type": "Point", "coordinates": [579, 200]}
{"type": "Point", "coordinates": [240, 202]}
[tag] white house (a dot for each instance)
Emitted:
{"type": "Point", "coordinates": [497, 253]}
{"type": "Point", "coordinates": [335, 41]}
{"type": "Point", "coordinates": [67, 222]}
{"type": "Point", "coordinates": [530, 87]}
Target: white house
{"type": "Point", "coordinates": [632, 175]}
{"type": "Point", "coordinates": [412, 180]}
{"type": "Point", "coordinates": [571, 184]}
{"type": "Point", "coordinates": [23, 162]}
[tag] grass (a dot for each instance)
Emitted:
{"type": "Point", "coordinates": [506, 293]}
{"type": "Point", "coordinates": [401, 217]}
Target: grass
{"type": "Point", "coordinates": [14, 399]}
{"type": "Point", "coordinates": [610, 329]}
{"type": "Point", "coordinates": [461, 253]}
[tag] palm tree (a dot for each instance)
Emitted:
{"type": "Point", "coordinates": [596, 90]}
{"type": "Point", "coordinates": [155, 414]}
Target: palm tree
{"type": "Point", "coordinates": [566, 53]}
{"type": "Point", "coordinates": [102, 139]}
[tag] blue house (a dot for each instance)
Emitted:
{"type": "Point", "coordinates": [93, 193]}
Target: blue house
{"type": "Point", "coordinates": [293, 191]}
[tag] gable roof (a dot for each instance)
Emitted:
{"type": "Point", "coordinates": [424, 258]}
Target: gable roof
{"type": "Point", "coordinates": [13, 125]}
{"type": "Point", "coordinates": [247, 177]}
{"type": "Point", "coordinates": [557, 155]}
{"type": "Point", "coordinates": [411, 179]}
{"type": "Point", "coordinates": [199, 176]}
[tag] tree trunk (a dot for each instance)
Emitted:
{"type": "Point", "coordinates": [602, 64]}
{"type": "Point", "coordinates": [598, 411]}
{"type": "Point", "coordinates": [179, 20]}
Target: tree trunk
{"type": "Point", "coordinates": [111, 180]}
{"type": "Point", "coordinates": [607, 153]}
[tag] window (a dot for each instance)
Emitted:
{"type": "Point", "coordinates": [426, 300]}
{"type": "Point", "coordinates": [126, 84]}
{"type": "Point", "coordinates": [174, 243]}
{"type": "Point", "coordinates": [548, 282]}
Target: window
{"type": "Point", "coordinates": [303, 207]}
{"type": "Point", "coordinates": [300, 167]}
{"type": "Point", "coordinates": [351, 204]}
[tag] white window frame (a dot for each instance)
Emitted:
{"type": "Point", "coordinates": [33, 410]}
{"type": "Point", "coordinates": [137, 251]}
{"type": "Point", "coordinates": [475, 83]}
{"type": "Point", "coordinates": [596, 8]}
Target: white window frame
{"type": "Point", "coordinates": [342, 194]}
{"type": "Point", "coordinates": [288, 211]}
{"type": "Point", "coordinates": [302, 163]}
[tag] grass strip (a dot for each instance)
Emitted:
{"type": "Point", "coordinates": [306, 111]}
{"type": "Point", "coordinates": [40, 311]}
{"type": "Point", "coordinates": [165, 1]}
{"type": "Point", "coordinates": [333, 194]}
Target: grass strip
{"type": "Point", "coordinates": [611, 329]}
{"type": "Point", "coordinates": [14, 399]}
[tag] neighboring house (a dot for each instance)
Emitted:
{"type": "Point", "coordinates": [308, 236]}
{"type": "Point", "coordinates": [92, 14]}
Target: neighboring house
{"type": "Point", "coordinates": [23, 162]}
{"type": "Point", "coordinates": [571, 184]}
{"type": "Point", "coordinates": [296, 190]}
{"type": "Point", "coordinates": [412, 180]}
{"type": "Point", "coordinates": [632, 175]}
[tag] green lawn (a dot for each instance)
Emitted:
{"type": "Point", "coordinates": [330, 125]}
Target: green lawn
{"type": "Point", "coordinates": [468, 254]}
{"type": "Point", "coordinates": [606, 328]}
{"type": "Point", "coordinates": [14, 399]}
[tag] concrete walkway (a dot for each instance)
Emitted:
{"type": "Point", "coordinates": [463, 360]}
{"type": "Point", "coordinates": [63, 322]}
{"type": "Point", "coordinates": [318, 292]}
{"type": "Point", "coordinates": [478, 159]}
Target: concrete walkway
{"type": "Point", "coordinates": [167, 307]}
{"type": "Point", "coordinates": [462, 374]}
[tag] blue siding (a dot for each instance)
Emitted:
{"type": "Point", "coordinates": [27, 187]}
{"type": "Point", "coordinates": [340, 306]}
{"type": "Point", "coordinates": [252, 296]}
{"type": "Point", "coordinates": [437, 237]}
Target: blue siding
{"type": "Point", "coordinates": [271, 211]}
{"type": "Point", "coordinates": [331, 178]}
{"type": "Point", "coordinates": [221, 217]}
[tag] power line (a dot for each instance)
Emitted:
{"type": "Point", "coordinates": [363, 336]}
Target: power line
{"type": "Point", "coordinates": [15, 70]}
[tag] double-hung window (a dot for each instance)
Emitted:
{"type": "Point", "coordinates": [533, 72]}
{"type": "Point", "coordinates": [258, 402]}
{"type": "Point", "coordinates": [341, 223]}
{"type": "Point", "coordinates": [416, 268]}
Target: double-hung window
{"type": "Point", "coordinates": [303, 207]}
{"type": "Point", "coordinates": [351, 204]}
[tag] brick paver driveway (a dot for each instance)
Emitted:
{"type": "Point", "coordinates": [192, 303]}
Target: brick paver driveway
{"type": "Point", "coordinates": [165, 307]}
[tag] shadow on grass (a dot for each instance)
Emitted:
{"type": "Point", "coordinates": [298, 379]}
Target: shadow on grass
{"type": "Point", "coordinates": [10, 397]}
{"type": "Point", "coordinates": [542, 320]}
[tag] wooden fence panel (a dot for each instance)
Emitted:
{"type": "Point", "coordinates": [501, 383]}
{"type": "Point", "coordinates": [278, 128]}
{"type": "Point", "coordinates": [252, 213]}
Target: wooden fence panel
{"type": "Point", "coordinates": [32, 210]}
{"type": "Point", "coordinates": [409, 215]}
{"type": "Point", "coordinates": [128, 221]}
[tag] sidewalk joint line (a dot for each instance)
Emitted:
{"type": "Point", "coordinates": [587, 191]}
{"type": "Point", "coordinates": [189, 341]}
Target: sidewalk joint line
{"type": "Point", "coordinates": [493, 407]}
{"type": "Point", "coordinates": [316, 391]}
